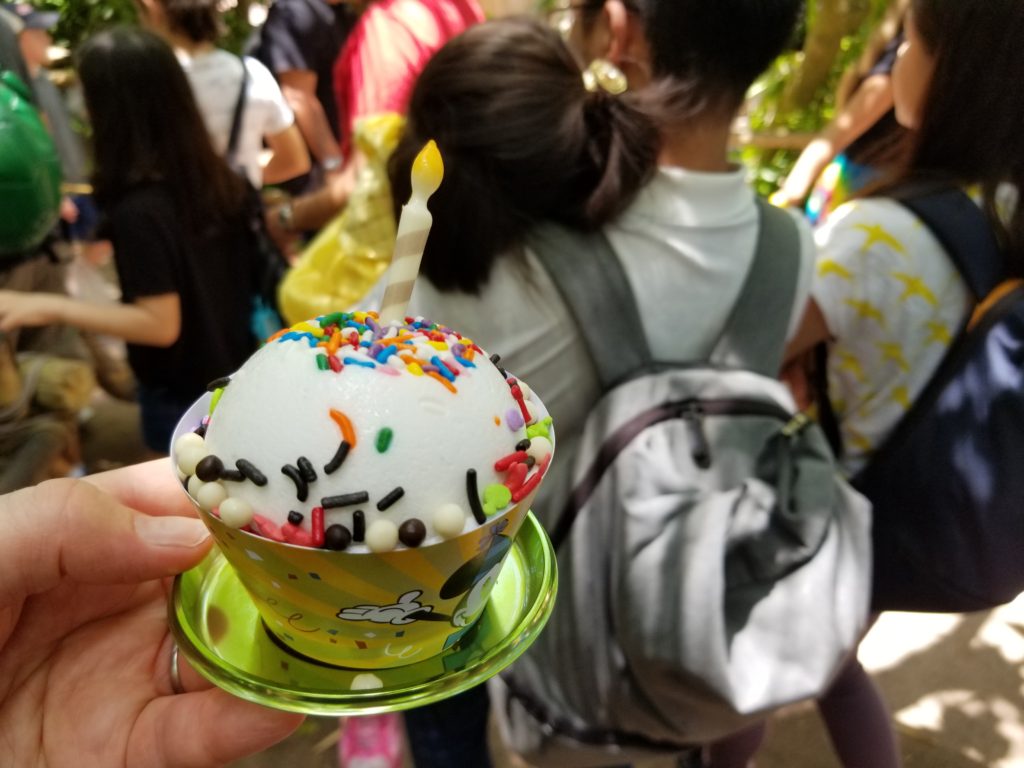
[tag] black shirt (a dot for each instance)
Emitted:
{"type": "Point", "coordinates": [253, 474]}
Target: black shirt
{"type": "Point", "coordinates": [213, 276]}
{"type": "Point", "coordinates": [306, 35]}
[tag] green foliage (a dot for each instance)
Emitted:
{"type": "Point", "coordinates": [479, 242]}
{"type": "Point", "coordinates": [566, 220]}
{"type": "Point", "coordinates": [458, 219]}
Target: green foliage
{"type": "Point", "coordinates": [769, 166]}
{"type": "Point", "coordinates": [81, 18]}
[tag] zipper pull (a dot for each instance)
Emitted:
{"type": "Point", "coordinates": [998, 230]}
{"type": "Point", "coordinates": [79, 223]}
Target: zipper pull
{"type": "Point", "coordinates": [693, 415]}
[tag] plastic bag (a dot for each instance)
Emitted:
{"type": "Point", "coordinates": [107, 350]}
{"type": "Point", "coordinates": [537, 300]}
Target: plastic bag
{"type": "Point", "coordinates": [350, 253]}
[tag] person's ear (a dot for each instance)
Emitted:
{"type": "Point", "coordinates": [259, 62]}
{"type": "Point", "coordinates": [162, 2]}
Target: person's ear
{"type": "Point", "coordinates": [150, 13]}
{"type": "Point", "coordinates": [618, 31]}
{"type": "Point", "coordinates": [627, 47]}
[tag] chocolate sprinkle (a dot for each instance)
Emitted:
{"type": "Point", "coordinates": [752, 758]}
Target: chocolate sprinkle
{"type": "Point", "coordinates": [220, 383]}
{"type": "Point", "coordinates": [530, 461]}
{"type": "Point", "coordinates": [474, 497]}
{"type": "Point", "coordinates": [523, 444]}
{"type": "Point", "coordinates": [200, 430]}
{"type": "Point", "coordinates": [293, 474]}
{"type": "Point", "coordinates": [392, 496]}
{"type": "Point", "coordinates": [495, 358]}
{"type": "Point", "coordinates": [209, 468]}
{"type": "Point", "coordinates": [337, 537]}
{"type": "Point", "coordinates": [295, 518]}
{"type": "Point", "coordinates": [412, 532]}
{"type": "Point", "coordinates": [339, 458]}
{"type": "Point", "coordinates": [358, 525]}
{"type": "Point", "coordinates": [248, 469]}
{"type": "Point", "coordinates": [344, 500]}
{"type": "Point", "coordinates": [232, 474]}
{"type": "Point", "coordinates": [306, 468]}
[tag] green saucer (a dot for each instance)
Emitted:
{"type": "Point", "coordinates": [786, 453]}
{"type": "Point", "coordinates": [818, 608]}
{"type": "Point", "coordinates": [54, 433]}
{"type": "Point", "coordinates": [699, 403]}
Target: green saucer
{"type": "Point", "coordinates": [219, 631]}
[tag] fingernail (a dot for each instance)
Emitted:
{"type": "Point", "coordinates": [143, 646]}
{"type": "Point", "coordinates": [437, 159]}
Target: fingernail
{"type": "Point", "coordinates": [171, 531]}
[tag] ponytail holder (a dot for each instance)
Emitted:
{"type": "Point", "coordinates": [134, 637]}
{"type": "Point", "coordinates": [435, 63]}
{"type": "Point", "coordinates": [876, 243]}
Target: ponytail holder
{"type": "Point", "coordinates": [602, 74]}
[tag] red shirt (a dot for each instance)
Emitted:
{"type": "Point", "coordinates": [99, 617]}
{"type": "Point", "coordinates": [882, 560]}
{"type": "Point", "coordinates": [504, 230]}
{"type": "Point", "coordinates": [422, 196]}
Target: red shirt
{"type": "Point", "coordinates": [387, 49]}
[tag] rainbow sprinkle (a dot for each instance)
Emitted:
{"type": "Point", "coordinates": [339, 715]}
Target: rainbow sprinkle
{"type": "Point", "coordinates": [419, 347]}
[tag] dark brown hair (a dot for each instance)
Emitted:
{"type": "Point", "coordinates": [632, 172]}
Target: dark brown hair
{"type": "Point", "coordinates": [971, 127]}
{"type": "Point", "coordinates": [146, 127]}
{"type": "Point", "coordinates": [705, 54]}
{"type": "Point", "coordinates": [198, 20]}
{"type": "Point", "coordinates": [523, 141]}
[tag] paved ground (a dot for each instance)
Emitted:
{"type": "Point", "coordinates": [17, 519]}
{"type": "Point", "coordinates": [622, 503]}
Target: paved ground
{"type": "Point", "coordinates": [955, 685]}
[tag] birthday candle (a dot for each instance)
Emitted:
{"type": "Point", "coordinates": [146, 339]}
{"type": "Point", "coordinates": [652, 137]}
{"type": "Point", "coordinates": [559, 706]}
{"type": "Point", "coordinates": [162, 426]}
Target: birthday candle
{"type": "Point", "coordinates": [413, 228]}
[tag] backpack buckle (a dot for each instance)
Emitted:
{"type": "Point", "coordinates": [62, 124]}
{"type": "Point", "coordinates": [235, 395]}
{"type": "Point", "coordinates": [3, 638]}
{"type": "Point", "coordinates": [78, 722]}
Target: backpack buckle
{"type": "Point", "coordinates": [796, 424]}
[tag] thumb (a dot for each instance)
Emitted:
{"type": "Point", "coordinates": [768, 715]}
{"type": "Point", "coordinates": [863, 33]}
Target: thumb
{"type": "Point", "coordinates": [71, 529]}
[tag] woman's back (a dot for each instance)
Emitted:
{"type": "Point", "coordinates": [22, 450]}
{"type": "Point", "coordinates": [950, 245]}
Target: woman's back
{"type": "Point", "coordinates": [212, 273]}
{"type": "Point", "coordinates": [216, 77]}
{"type": "Point", "coordinates": [685, 244]}
{"type": "Point", "coordinates": [893, 302]}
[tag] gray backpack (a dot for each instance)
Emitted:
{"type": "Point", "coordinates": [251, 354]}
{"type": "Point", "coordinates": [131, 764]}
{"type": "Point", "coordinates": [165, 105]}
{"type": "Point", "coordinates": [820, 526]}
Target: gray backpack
{"type": "Point", "coordinates": [712, 563]}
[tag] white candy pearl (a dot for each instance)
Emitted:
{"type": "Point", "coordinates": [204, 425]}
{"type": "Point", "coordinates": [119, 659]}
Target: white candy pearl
{"type": "Point", "coordinates": [525, 389]}
{"type": "Point", "coordinates": [188, 440]}
{"type": "Point", "coordinates": [382, 536]}
{"type": "Point", "coordinates": [194, 485]}
{"type": "Point", "coordinates": [210, 496]}
{"type": "Point", "coordinates": [540, 448]}
{"type": "Point", "coordinates": [449, 520]}
{"type": "Point", "coordinates": [190, 457]}
{"type": "Point", "coordinates": [235, 512]}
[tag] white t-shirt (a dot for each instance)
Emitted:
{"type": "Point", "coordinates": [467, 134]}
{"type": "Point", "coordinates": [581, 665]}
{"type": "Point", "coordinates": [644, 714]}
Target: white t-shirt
{"type": "Point", "coordinates": [215, 77]}
{"type": "Point", "coordinates": [686, 244]}
{"type": "Point", "coordinates": [893, 301]}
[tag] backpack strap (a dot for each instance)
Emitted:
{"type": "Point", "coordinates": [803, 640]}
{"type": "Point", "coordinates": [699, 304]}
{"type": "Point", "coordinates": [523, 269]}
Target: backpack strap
{"type": "Point", "coordinates": [593, 283]}
{"type": "Point", "coordinates": [962, 230]}
{"type": "Point", "coordinates": [591, 279]}
{"type": "Point", "coordinates": [755, 333]}
{"type": "Point", "coordinates": [236, 118]}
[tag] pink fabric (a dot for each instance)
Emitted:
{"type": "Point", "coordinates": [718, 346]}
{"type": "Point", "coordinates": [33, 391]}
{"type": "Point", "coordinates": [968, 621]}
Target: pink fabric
{"type": "Point", "coordinates": [388, 48]}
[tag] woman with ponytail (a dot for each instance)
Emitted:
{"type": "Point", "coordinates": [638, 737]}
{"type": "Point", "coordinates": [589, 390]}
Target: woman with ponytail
{"type": "Point", "coordinates": [625, 130]}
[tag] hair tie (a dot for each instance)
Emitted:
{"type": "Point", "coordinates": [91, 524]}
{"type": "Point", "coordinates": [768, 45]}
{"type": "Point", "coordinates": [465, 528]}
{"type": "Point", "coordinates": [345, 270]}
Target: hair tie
{"type": "Point", "coordinates": [602, 74]}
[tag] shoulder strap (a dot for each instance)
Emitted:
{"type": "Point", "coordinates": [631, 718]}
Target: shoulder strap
{"type": "Point", "coordinates": [755, 333]}
{"type": "Point", "coordinates": [591, 279]}
{"type": "Point", "coordinates": [964, 232]}
{"type": "Point", "coordinates": [236, 119]}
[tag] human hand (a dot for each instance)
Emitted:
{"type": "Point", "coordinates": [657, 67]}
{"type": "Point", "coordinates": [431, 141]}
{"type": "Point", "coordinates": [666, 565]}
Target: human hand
{"type": "Point", "coordinates": [784, 198]}
{"type": "Point", "coordinates": [84, 643]}
{"type": "Point", "coordinates": [285, 237]}
{"type": "Point", "coordinates": [68, 210]}
{"type": "Point", "coordinates": [19, 309]}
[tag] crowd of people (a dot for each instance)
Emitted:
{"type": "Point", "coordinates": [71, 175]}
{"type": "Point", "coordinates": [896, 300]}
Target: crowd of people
{"type": "Point", "coordinates": [617, 120]}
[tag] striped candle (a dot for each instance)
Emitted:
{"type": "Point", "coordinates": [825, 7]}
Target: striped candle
{"type": "Point", "coordinates": [413, 228]}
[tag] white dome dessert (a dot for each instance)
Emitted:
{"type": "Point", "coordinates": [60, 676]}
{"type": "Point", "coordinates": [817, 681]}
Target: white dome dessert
{"type": "Point", "coordinates": [347, 434]}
